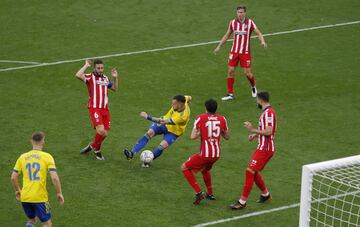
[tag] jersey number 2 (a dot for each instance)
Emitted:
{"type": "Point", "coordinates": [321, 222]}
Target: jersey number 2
{"type": "Point", "coordinates": [213, 128]}
{"type": "Point", "coordinates": [33, 171]}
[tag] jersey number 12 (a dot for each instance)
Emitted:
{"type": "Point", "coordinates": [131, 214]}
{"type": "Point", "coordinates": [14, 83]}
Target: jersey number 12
{"type": "Point", "coordinates": [33, 170]}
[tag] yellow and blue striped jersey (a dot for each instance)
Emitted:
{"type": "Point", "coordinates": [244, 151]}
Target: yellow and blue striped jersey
{"type": "Point", "coordinates": [34, 166]}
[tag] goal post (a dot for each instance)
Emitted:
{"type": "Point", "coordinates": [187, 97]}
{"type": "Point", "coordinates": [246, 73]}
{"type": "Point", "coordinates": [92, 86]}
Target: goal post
{"type": "Point", "coordinates": [330, 193]}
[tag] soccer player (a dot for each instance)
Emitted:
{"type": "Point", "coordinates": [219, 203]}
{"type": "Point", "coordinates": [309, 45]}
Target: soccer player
{"type": "Point", "coordinates": [242, 28]}
{"type": "Point", "coordinates": [172, 125]}
{"type": "Point", "coordinates": [98, 84]}
{"type": "Point", "coordinates": [34, 165]}
{"type": "Point", "coordinates": [208, 127]}
{"type": "Point", "coordinates": [263, 153]}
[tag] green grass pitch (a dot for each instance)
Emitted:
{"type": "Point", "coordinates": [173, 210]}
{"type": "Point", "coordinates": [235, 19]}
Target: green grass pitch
{"type": "Point", "coordinates": [313, 78]}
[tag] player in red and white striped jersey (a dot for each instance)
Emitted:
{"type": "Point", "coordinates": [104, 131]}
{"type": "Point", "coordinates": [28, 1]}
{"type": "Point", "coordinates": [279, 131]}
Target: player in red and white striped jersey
{"type": "Point", "coordinates": [242, 27]}
{"type": "Point", "coordinates": [98, 84]}
{"type": "Point", "coordinates": [209, 127]}
{"type": "Point", "coordinates": [263, 153]}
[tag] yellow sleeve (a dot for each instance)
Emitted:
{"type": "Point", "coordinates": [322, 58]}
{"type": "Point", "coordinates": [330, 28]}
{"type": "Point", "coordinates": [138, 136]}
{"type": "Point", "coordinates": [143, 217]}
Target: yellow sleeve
{"type": "Point", "coordinates": [17, 167]}
{"type": "Point", "coordinates": [51, 164]}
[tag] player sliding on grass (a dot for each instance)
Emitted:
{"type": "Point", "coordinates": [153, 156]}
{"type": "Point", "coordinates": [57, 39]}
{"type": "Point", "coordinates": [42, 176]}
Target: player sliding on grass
{"type": "Point", "coordinates": [263, 153]}
{"type": "Point", "coordinates": [208, 127]}
{"type": "Point", "coordinates": [34, 166]}
{"type": "Point", "coordinates": [172, 125]}
{"type": "Point", "coordinates": [240, 51]}
{"type": "Point", "coordinates": [98, 84]}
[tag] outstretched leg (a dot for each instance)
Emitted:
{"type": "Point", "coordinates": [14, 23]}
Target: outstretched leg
{"type": "Point", "coordinates": [141, 143]}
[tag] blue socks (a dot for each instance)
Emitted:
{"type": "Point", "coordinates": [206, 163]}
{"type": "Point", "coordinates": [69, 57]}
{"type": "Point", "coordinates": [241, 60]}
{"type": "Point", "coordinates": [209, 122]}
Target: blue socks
{"type": "Point", "coordinates": [140, 144]}
{"type": "Point", "coordinates": [158, 151]}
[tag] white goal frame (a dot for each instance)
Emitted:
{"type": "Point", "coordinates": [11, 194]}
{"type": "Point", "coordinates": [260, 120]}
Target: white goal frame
{"type": "Point", "coordinates": [306, 183]}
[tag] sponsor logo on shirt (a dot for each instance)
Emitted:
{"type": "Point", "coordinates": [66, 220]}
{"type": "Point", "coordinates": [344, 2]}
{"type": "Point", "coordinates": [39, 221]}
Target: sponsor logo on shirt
{"type": "Point", "coordinates": [237, 32]}
{"type": "Point", "coordinates": [100, 82]}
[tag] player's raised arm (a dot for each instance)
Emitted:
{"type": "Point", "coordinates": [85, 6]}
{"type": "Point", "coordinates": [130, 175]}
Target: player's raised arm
{"type": "Point", "coordinates": [115, 83]}
{"type": "Point", "coordinates": [56, 182]}
{"type": "Point", "coordinates": [223, 40]}
{"type": "Point", "coordinates": [189, 99]}
{"type": "Point", "coordinates": [261, 37]}
{"type": "Point", "coordinates": [81, 72]}
{"type": "Point", "coordinates": [15, 184]}
{"type": "Point", "coordinates": [150, 118]}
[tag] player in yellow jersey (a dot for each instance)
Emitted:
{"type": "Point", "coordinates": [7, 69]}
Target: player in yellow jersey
{"type": "Point", "coordinates": [34, 166]}
{"type": "Point", "coordinates": [172, 125]}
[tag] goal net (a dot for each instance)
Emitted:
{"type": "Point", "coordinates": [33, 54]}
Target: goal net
{"type": "Point", "coordinates": [330, 193]}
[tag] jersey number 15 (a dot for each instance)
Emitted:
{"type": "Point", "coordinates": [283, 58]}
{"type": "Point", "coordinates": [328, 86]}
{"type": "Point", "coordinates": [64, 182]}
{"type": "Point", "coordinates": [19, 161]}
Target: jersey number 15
{"type": "Point", "coordinates": [213, 128]}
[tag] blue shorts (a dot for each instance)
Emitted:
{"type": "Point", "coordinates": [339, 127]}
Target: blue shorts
{"type": "Point", "coordinates": [161, 129]}
{"type": "Point", "coordinates": [40, 210]}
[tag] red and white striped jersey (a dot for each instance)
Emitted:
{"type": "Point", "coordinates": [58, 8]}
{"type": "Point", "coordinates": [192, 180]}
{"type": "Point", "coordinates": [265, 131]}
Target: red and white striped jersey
{"type": "Point", "coordinates": [242, 34]}
{"type": "Point", "coordinates": [211, 126]}
{"type": "Point", "coordinates": [267, 118]}
{"type": "Point", "coordinates": [98, 90]}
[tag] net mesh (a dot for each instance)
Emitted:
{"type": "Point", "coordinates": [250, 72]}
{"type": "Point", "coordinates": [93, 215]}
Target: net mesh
{"type": "Point", "coordinates": [335, 197]}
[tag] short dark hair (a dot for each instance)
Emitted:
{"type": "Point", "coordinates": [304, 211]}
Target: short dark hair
{"type": "Point", "coordinates": [211, 106]}
{"type": "Point", "coordinates": [241, 7]}
{"type": "Point", "coordinates": [180, 98]}
{"type": "Point", "coordinates": [98, 62]}
{"type": "Point", "coordinates": [38, 136]}
{"type": "Point", "coordinates": [264, 95]}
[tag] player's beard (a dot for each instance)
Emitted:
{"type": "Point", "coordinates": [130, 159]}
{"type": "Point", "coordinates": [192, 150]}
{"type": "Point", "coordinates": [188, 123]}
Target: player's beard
{"type": "Point", "coordinates": [259, 106]}
{"type": "Point", "coordinates": [97, 74]}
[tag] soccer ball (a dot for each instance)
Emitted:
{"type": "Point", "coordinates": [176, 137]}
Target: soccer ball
{"type": "Point", "coordinates": [146, 156]}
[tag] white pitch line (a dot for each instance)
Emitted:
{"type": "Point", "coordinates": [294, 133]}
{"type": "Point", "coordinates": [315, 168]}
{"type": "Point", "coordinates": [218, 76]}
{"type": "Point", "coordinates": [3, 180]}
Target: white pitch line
{"type": "Point", "coordinates": [248, 215]}
{"type": "Point", "coordinates": [20, 62]}
{"type": "Point", "coordinates": [174, 47]}
{"type": "Point", "coordinates": [275, 209]}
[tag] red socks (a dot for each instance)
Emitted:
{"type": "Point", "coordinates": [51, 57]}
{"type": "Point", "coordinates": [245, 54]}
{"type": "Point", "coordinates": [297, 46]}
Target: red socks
{"type": "Point", "coordinates": [98, 141]}
{"type": "Point", "coordinates": [207, 179]}
{"type": "Point", "coordinates": [260, 183]}
{"type": "Point", "coordinates": [191, 179]}
{"type": "Point", "coordinates": [252, 81]}
{"type": "Point", "coordinates": [249, 181]}
{"type": "Point", "coordinates": [231, 81]}
{"type": "Point", "coordinates": [230, 84]}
